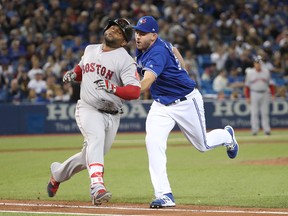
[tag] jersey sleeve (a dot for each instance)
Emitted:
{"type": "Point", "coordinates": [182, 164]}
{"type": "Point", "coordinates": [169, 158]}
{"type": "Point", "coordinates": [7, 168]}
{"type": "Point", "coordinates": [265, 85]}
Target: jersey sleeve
{"type": "Point", "coordinates": [247, 76]}
{"type": "Point", "coordinates": [129, 74]}
{"type": "Point", "coordinates": [130, 88]}
{"type": "Point", "coordinates": [156, 62]}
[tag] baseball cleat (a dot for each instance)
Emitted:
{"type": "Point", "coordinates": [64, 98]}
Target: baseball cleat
{"type": "Point", "coordinates": [167, 200]}
{"type": "Point", "coordinates": [233, 148]}
{"type": "Point", "coordinates": [101, 196]}
{"type": "Point", "coordinates": [52, 187]}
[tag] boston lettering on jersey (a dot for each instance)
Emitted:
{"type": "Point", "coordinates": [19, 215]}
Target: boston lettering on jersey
{"type": "Point", "coordinates": [99, 69]}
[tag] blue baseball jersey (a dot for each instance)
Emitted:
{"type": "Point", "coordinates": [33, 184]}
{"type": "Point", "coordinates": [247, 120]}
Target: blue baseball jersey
{"type": "Point", "coordinates": [172, 81]}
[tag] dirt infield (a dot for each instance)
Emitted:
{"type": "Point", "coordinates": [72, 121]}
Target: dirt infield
{"type": "Point", "coordinates": [112, 209]}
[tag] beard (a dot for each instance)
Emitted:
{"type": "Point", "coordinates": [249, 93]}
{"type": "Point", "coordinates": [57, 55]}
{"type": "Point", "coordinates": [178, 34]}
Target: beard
{"type": "Point", "coordinates": [111, 42]}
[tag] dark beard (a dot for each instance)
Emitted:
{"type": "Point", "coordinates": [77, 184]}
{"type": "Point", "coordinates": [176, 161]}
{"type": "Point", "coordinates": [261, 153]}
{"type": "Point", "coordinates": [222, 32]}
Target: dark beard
{"type": "Point", "coordinates": [111, 43]}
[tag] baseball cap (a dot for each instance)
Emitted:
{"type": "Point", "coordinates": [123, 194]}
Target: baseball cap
{"type": "Point", "coordinates": [257, 59]}
{"type": "Point", "coordinates": [124, 25]}
{"type": "Point", "coordinates": [147, 24]}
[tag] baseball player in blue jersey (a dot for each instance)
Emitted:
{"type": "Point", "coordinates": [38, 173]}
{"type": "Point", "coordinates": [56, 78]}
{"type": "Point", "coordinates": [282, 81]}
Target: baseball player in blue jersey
{"type": "Point", "coordinates": [176, 101]}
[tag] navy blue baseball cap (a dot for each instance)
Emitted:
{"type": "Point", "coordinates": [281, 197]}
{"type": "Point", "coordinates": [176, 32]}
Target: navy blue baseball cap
{"type": "Point", "coordinates": [147, 24]}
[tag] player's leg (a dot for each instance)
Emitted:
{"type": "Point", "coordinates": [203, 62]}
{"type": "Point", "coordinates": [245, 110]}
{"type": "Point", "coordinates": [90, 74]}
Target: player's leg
{"type": "Point", "coordinates": [61, 172]}
{"type": "Point", "coordinates": [111, 131]}
{"type": "Point", "coordinates": [158, 126]}
{"type": "Point", "coordinates": [190, 117]}
{"type": "Point", "coordinates": [76, 163]}
{"type": "Point", "coordinates": [264, 109]}
{"type": "Point", "coordinates": [254, 109]}
{"type": "Point", "coordinates": [99, 194]}
{"type": "Point", "coordinates": [92, 124]}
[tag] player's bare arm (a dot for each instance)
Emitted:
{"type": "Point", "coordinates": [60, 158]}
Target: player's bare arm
{"type": "Point", "coordinates": [147, 80]}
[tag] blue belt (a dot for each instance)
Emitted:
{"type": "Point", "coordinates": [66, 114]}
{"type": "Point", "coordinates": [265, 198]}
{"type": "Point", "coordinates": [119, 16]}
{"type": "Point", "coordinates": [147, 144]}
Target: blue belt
{"type": "Point", "coordinates": [177, 101]}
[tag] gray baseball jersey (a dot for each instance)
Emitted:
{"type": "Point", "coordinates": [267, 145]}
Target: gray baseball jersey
{"type": "Point", "coordinates": [258, 81]}
{"type": "Point", "coordinates": [117, 66]}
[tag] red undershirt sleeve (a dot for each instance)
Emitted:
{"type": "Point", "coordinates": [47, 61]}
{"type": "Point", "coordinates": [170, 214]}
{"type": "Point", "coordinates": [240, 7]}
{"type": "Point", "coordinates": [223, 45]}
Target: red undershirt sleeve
{"type": "Point", "coordinates": [78, 71]}
{"type": "Point", "coordinates": [128, 92]}
{"type": "Point", "coordinates": [247, 92]}
{"type": "Point", "coordinates": [272, 89]}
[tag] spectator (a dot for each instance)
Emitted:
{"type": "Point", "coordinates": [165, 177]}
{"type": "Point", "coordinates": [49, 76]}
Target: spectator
{"type": "Point", "coordinates": [23, 80]}
{"type": "Point", "coordinates": [203, 46]}
{"type": "Point", "coordinates": [37, 84]}
{"type": "Point", "coordinates": [220, 83]}
{"type": "Point", "coordinates": [240, 45]}
{"type": "Point", "coordinates": [236, 83]}
{"type": "Point", "coordinates": [253, 38]}
{"type": "Point", "coordinates": [16, 51]}
{"type": "Point", "coordinates": [53, 65]}
{"type": "Point", "coordinates": [67, 92]}
{"type": "Point", "coordinates": [51, 83]}
{"type": "Point", "coordinates": [3, 88]}
{"type": "Point", "coordinates": [4, 54]}
{"type": "Point", "coordinates": [6, 69]}
{"type": "Point", "coordinates": [220, 56]}
{"type": "Point", "coordinates": [62, 29]}
{"type": "Point", "coordinates": [233, 60]}
{"type": "Point", "coordinates": [35, 67]}
{"type": "Point", "coordinates": [192, 66]}
{"type": "Point", "coordinates": [14, 94]}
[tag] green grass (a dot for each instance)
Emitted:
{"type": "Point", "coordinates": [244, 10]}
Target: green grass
{"type": "Point", "coordinates": [209, 178]}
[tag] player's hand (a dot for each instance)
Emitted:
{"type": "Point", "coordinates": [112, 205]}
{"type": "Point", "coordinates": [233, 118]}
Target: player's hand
{"type": "Point", "coordinates": [69, 76]}
{"type": "Point", "coordinates": [105, 85]}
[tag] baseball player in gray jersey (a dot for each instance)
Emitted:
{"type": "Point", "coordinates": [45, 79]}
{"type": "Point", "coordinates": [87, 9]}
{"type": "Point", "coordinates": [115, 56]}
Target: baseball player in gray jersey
{"type": "Point", "coordinates": [258, 88]}
{"type": "Point", "coordinates": [108, 77]}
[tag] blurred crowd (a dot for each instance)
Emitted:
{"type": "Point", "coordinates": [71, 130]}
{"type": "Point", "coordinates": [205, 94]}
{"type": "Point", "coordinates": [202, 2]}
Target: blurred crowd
{"type": "Point", "coordinates": [40, 40]}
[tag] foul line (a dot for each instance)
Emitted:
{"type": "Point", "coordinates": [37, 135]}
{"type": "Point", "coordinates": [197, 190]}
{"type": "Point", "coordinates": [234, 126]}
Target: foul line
{"type": "Point", "coordinates": [61, 213]}
{"type": "Point", "coordinates": [143, 209]}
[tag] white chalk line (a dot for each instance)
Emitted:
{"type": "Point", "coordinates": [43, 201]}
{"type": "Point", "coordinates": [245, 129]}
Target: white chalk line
{"type": "Point", "coordinates": [61, 213]}
{"type": "Point", "coordinates": [146, 209]}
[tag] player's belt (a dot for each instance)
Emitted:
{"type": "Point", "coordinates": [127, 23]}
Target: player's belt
{"type": "Point", "coordinates": [259, 91]}
{"type": "Point", "coordinates": [112, 112]}
{"type": "Point", "coordinates": [177, 101]}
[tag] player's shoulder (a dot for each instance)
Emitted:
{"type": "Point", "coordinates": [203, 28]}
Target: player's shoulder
{"type": "Point", "coordinates": [122, 56]}
{"type": "Point", "coordinates": [122, 53]}
{"type": "Point", "coordinates": [162, 44]}
{"type": "Point", "coordinates": [160, 47]}
{"type": "Point", "coordinates": [92, 46]}
{"type": "Point", "coordinates": [249, 70]}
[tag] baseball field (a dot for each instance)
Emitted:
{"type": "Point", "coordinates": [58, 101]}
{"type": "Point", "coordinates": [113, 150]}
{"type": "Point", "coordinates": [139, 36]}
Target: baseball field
{"type": "Point", "coordinates": [255, 183]}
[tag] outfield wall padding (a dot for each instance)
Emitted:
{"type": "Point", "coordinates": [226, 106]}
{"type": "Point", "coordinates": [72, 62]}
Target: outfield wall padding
{"type": "Point", "coordinates": [55, 118]}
